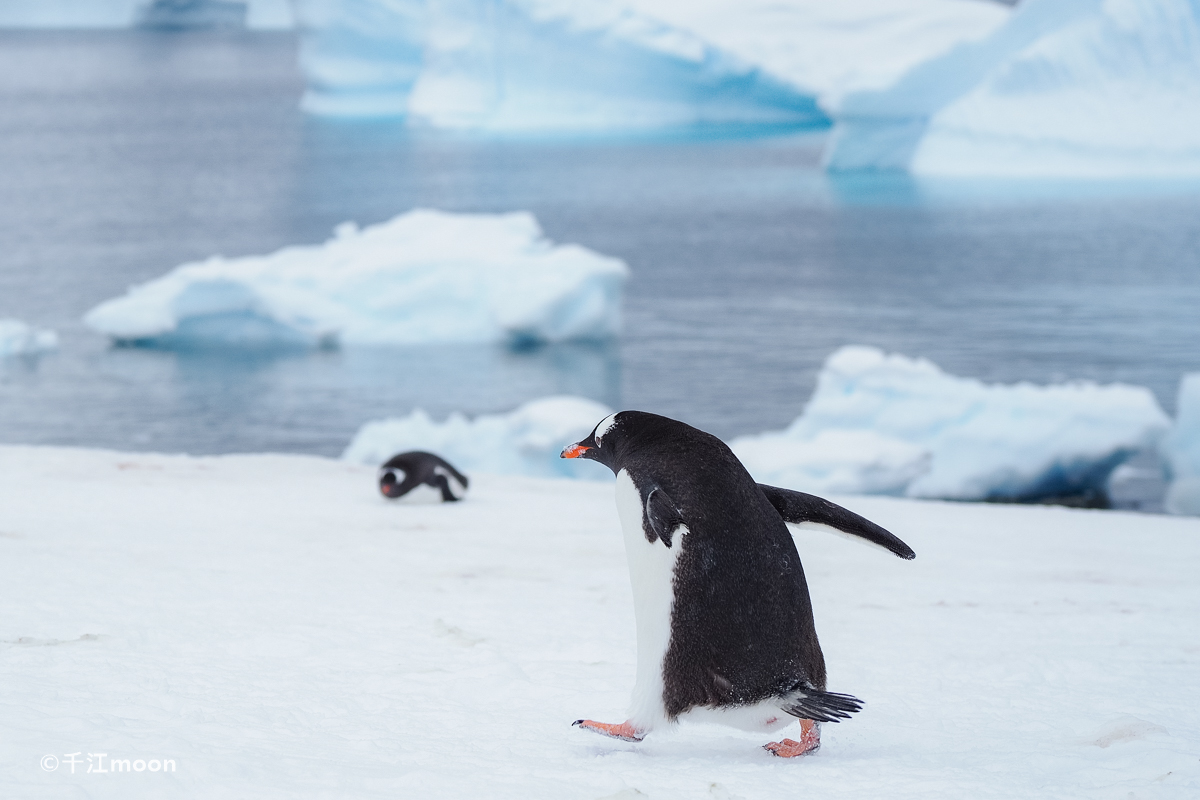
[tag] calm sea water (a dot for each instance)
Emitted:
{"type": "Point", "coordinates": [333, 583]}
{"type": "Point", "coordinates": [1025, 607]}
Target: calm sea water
{"type": "Point", "coordinates": [125, 154]}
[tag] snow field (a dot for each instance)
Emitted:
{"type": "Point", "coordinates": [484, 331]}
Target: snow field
{"type": "Point", "coordinates": [424, 276]}
{"type": "Point", "coordinates": [280, 630]}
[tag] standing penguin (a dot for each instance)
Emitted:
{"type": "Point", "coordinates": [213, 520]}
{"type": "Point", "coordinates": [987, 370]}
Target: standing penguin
{"type": "Point", "coordinates": [725, 626]}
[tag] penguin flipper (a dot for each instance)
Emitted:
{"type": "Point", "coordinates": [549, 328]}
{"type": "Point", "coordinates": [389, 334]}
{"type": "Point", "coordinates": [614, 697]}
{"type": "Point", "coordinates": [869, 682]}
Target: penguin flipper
{"type": "Point", "coordinates": [797, 508]}
{"type": "Point", "coordinates": [662, 517]}
{"type": "Point", "coordinates": [820, 706]}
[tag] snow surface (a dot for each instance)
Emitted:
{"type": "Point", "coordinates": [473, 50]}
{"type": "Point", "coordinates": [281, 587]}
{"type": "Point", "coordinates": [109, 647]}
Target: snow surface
{"type": "Point", "coordinates": [19, 339]}
{"type": "Point", "coordinates": [888, 424]}
{"type": "Point", "coordinates": [280, 630]}
{"type": "Point", "coordinates": [424, 276]}
{"type": "Point", "coordinates": [1067, 88]}
{"type": "Point", "coordinates": [606, 65]}
{"type": "Point", "coordinates": [526, 441]}
{"type": "Point", "coordinates": [1181, 450]}
{"type": "Point", "coordinates": [260, 14]}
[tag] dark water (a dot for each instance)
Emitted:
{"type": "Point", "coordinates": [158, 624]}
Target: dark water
{"type": "Point", "coordinates": [125, 154]}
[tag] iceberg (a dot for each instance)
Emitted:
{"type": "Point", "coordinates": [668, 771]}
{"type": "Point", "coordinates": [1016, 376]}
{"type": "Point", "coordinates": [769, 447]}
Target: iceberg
{"type": "Point", "coordinates": [530, 65]}
{"type": "Point", "coordinates": [526, 441]}
{"type": "Point", "coordinates": [424, 276]}
{"type": "Point", "coordinates": [1181, 450]}
{"type": "Point", "coordinates": [516, 66]}
{"type": "Point", "coordinates": [253, 14]}
{"type": "Point", "coordinates": [887, 424]}
{"type": "Point", "coordinates": [1066, 88]}
{"type": "Point", "coordinates": [19, 339]}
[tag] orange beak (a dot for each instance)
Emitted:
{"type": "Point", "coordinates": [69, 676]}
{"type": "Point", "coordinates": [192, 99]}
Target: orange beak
{"type": "Point", "coordinates": [574, 451]}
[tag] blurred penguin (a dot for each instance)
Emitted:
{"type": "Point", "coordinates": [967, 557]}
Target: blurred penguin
{"type": "Point", "coordinates": [421, 477]}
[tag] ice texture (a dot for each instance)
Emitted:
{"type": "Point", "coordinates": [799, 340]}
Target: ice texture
{"type": "Point", "coordinates": [281, 631]}
{"type": "Point", "coordinates": [520, 65]}
{"type": "Point", "coordinates": [888, 424]}
{"type": "Point", "coordinates": [526, 441]}
{"type": "Point", "coordinates": [830, 49]}
{"type": "Point", "coordinates": [19, 339]}
{"type": "Point", "coordinates": [1067, 88]}
{"type": "Point", "coordinates": [1181, 450]}
{"type": "Point", "coordinates": [424, 276]}
{"type": "Point", "coordinates": [259, 14]}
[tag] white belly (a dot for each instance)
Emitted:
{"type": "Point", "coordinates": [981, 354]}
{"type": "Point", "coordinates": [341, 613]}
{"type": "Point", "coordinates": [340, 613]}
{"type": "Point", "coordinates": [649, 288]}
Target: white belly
{"type": "Point", "coordinates": [760, 717]}
{"type": "Point", "coordinates": [651, 572]}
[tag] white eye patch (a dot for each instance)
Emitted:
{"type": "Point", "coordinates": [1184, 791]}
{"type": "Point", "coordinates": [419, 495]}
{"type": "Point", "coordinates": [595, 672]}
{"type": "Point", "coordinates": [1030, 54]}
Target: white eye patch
{"type": "Point", "coordinates": [603, 427]}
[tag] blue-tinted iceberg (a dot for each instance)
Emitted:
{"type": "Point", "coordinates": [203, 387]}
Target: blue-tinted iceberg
{"type": "Point", "coordinates": [424, 276]}
{"type": "Point", "coordinates": [514, 66]}
{"type": "Point", "coordinates": [19, 339]}
{"type": "Point", "coordinates": [1181, 450]}
{"type": "Point", "coordinates": [255, 14]}
{"type": "Point", "coordinates": [1070, 88]}
{"type": "Point", "coordinates": [887, 424]}
{"type": "Point", "coordinates": [526, 441]}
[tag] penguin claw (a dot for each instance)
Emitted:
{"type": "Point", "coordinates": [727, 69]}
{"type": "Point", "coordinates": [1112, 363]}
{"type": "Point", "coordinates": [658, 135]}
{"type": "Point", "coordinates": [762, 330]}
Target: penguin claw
{"type": "Point", "coordinates": [810, 742]}
{"type": "Point", "coordinates": [626, 732]}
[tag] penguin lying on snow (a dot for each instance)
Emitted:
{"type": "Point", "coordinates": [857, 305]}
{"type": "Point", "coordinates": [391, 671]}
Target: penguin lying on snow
{"type": "Point", "coordinates": [725, 626]}
{"type": "Point", "coordinates": [432, 478]}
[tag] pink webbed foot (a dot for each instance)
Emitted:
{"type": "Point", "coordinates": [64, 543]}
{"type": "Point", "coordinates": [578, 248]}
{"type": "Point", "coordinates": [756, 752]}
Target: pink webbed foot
{"type": "Point", "coordinates": [810, 742]}
{"type": "Point", "coordinates": [626, 732]}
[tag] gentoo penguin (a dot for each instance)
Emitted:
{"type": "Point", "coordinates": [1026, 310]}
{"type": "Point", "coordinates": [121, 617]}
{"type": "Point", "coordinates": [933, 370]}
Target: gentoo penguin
{"type": "Point", "coordinates": [422, 477]}
{"type": "Point", "coordinates": [725, 626]}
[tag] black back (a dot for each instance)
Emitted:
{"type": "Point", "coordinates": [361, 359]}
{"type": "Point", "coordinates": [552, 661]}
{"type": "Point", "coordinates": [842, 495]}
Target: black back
{"type": "Point", "coordinates": [417, 467]}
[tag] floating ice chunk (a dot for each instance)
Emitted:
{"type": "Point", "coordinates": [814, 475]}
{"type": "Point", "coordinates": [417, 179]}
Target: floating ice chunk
{"type": "Point", "coordinates": [526, 441]}
{"type": "Point", "coordinates": [1067, 88]}
{"type": "Point", "coordinates": [834, 462]}
{"type": "Point", "coordinates": [425, 276]}
{"type": "Point", "coordinates": [19, 339]}
{"type": "Point", "coordinates": [979, 441]}
{"type": "Point", "coordinates": [1181, 450]}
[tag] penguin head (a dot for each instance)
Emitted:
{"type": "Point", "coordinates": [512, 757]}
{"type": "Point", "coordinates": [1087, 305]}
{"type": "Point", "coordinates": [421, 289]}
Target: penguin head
{"type": "Point", "coordinates": [390, 479]}
{"type": "Point", "coordinates": [607, 442]}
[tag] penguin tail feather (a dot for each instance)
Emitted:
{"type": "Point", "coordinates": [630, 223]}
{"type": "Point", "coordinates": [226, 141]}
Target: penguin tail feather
{"type": "Point", "coordinates": [820, 706]}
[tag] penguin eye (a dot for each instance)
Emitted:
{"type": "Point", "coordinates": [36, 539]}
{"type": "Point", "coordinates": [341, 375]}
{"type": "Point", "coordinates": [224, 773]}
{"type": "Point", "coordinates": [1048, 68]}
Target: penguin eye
{"type": "Point", "coordinates": [603, 428]}
{"type": "Point", "coordinates": [389, 476]}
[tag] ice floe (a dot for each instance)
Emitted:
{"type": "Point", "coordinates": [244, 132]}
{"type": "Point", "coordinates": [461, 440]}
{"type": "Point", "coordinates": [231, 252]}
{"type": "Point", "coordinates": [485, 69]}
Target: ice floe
{"type": "Point", "coordinates": [1181, 450]}
{"type": "Point", "coordinates": [526, 441]}
{"type": "Point", "coordinates": [425, 276]}
{"type": "Point", "coordinates": [888, 424]}
{"type": "Point", "coordinates": [1067, 88]}
{"type": "Point", "coordinates": [19, 339]}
